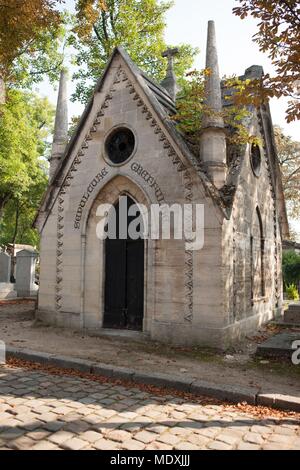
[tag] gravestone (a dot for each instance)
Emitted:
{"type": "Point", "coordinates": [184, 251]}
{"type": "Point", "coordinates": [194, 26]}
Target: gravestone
{"type": "Point", "coordinates": [292, 315]}
{"type": "Point", "coordinates": [25, 273]}
{"type": "Point", "coordinates": [5, 267]}
{"type": "Point", "coordinates": [280, 345]}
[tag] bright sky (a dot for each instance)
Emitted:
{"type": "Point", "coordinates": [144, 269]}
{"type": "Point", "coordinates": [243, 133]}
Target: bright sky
{"type": "Point", "coordinates": [187, 22]}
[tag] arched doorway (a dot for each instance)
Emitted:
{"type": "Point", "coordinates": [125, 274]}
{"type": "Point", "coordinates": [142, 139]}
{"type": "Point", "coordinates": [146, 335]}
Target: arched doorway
{"type": "Point", "coordinates": [124, 276]}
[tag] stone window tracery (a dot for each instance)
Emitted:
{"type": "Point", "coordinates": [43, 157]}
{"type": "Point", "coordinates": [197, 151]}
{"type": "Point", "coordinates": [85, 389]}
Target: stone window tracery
{"type": "Point", "coordinates": [255, 159]}
{"type": "Point", "coordinates": [119, 145]}
{"type": "Point", "coordinates": [257, 248]}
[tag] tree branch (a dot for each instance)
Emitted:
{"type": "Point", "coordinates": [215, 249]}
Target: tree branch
{"type": "Point", "coordinates": [292, 11]}
{"type": "Point", "coordinates": [104, 25]}
{"type": "Point", "coordinates": [97, 33]}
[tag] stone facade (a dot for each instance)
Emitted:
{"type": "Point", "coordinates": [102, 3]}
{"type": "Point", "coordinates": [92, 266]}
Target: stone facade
{"type": "Point", "coordinates": [208, 297]}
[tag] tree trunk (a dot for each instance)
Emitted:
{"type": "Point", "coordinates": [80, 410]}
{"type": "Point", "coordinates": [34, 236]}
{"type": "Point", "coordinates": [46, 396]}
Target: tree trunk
{"type": "Point", "coordinates": [16, 225]}
{"type": "Point", "coordinates": [3, 201]}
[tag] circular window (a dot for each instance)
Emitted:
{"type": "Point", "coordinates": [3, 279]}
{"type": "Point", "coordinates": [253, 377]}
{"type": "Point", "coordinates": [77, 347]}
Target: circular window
{"type": "Point", "coordinates": [255, 158]}
{"type": "Point", "coordinates": [120, 145]}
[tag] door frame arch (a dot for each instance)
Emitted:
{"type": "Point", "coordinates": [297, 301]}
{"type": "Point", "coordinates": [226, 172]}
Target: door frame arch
{"type": "Point", "coordinates": [124, 261]}
{"type": "Point", "coordinates": [117, 186]}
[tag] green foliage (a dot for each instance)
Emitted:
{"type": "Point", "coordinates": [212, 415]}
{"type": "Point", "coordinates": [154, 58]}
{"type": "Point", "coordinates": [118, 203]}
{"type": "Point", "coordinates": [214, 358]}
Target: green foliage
{"type": "Point", "coordinates": [43, 59]}
{"type": "Point", "coordinates": [278, 32]}
{"type": "Point", "coordinates": [291, 267]}
{"type": "Point", "coordinates": [18, 216]}
{"type": "Point", "coordinates": [22, 24]}
{"type": "Point", "coordinates": [191, 109]}
{"type": "Point", "coordinates": [288, 152]}
{"type": "Point", "coordinates": [25, 124]}
{"type": "Point", "coordinates": [247, 92]}
{"type": "Point", "coordinates": [138, 26]}
{"type": "Point", "coordinates": [292, 292]}
{"type": "Point", "coordinates": [190, 104]}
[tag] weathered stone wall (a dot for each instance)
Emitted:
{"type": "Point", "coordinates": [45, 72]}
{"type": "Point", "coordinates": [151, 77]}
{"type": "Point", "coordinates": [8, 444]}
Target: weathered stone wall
{"type": "Point", "coordinates": [248, 305]}
{"type": "Point", "coordinates": [184, 303]}
{"type": "Point", "coordinates": [206, 297]}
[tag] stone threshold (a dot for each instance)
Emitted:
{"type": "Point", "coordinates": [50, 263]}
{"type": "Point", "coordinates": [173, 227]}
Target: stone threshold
{"type": "Point", "coordinates": [233, 394]}
{"type": "Point", "coordinates": [129, 334]}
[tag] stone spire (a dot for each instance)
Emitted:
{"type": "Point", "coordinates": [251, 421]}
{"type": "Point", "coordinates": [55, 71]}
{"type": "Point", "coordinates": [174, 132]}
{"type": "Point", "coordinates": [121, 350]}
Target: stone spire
{"type": "Point", "coordinates": [213, 137]}
{"type": "Point", "coordinates": [60, 137]}
{"type": "Point", "coordinates": [170, 82]}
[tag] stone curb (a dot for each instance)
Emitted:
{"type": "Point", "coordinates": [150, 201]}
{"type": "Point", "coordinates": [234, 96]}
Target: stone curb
{"type": "Point", "coordinates": [281, 402]}
{"type": "Point", "coordinates": [233, 394]}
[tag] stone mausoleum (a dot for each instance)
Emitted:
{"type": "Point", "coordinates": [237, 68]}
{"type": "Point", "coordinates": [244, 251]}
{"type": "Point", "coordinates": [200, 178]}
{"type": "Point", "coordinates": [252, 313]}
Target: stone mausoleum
{"type": "Point", "coordinates": [127, 144]}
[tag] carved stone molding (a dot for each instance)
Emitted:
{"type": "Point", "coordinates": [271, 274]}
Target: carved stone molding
{"type": "Point", "coordinates": [67, 183]}
{"type": "Point", "coordinates": [121, 76]}
{"type": "Point", "coordinates": [188, 188]}
{"type": "Point", "coordinates": [274, 208]}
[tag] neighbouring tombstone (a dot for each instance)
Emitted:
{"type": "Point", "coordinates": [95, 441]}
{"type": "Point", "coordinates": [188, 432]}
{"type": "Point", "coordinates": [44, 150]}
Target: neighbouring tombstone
{"type": "Point", "coordinates": [5, 267]}
{"type": "Point", "coordinates": [25, 274]}
{"type": "Point", "coordinates": [292, 314]}
{"type": "Point", "coordinates": [7, 291]}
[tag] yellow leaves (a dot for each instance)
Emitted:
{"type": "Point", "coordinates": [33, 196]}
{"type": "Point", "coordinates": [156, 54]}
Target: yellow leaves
{"type": "Point", "coordinates": [249, 92]}
{"type": "Point", "coordinates": [20, 23]}
{"type": "Point", "coordinates": [191, 109]}
{"type": "Point", "coordinates": [88, 12]}
{"type": "Point", "coordinates": [278, 35]}
{"type": "Point", "coordinates": [288, 152]}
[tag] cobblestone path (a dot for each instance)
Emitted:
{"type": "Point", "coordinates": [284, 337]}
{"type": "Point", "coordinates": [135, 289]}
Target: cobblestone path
{"type": "Point", "coordinates": [41, 411]}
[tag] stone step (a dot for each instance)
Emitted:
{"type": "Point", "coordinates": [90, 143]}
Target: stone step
{"type": "Point", "coordinates": [279, 346]}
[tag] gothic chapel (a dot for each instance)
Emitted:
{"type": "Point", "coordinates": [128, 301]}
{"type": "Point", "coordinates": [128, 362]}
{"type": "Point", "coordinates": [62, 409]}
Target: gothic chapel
{"type": "Point", "coordinates": [126, 144]}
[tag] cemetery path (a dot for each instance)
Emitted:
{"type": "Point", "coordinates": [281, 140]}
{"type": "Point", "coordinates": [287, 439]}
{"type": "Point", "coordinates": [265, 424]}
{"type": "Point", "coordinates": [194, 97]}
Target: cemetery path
{"type": "Point", "coordinates": [239, 368]}
{"type": "Point", "coordinates": [43, 411]}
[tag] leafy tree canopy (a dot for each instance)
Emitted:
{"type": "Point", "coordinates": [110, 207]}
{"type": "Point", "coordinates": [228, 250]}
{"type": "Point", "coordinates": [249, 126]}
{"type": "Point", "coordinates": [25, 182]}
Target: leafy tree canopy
{"type": "Point", "coordinates": [26, 121]}
{"type": "Point", "coordinates": [19, 213]}
{"type": "Point", "coordinates": [33, 35]}
{"type": "Point", "coordinates": [289, 158]}
{"type": "Point", "coordinates": [21, 25]}
{"type": "Point", "coordinates": [291, 267]}
{"type": "Point", "coordinates": [191, 109]}
{"type": "Point", "coordinates": [278, 35]}
{"type": "Point", "coordinates": [139, 26]}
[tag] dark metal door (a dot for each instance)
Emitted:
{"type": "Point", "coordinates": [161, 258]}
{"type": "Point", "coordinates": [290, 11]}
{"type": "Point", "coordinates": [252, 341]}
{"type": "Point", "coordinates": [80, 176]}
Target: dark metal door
{"type": "Point", "coordinates": [135, 284]}
{"type": "Point", "coordinates": [124, 282]}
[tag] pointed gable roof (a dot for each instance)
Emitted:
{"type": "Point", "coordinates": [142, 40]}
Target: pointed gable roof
{"type": "Point", "coordinates": [164, 107]}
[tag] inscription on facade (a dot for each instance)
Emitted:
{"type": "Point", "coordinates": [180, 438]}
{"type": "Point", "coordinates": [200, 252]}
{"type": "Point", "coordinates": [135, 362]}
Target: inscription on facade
{"type": "Point", "coordinates": [149, 179]}
{"type": "Point", "coordinates": [85, 197]}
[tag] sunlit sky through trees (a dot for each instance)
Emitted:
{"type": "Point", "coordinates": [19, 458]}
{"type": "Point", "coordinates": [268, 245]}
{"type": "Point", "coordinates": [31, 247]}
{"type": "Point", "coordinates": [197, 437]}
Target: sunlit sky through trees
{"type": "Point", "coordinates": [187, 22]}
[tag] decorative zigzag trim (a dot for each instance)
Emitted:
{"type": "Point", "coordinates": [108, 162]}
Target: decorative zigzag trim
{"type": "Point", "coordinates": [63, 191]}
{"type": "Point", "coordinates": [180, 167]}
{"type": "Point", "coordinates": [188, 185]}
